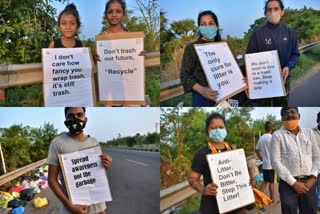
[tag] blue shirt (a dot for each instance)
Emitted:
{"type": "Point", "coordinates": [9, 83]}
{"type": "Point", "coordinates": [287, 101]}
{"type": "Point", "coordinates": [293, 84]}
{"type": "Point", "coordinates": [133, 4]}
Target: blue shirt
{"type": "Point", "coordinates": [276, 37]}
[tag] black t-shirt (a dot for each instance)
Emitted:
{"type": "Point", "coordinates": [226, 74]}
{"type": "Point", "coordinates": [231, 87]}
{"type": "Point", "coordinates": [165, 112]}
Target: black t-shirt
{"type": "Point", "coordinates": [58, 44]}
{"type": "Point", "coordinates": [200, 165]}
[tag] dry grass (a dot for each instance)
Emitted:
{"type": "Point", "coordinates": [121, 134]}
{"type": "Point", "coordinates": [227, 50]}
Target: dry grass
{"type": "Point", "coordinates": [172, 70]}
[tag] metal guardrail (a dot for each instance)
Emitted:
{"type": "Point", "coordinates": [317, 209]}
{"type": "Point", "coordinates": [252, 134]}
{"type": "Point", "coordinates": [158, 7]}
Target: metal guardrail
{"type": "Point", "coordinates": [21, 171]}
{"type": "Point", "coordinates": [29, 74]}
{"type": "Point", "coordinates": [175, 194]}
{"type": "Point", "coordinates": [173, 88]}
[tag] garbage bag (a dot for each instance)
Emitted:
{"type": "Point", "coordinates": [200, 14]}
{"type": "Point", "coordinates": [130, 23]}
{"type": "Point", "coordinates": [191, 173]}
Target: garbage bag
{"type": "Point", "coordinates": [40, 202]}
{"type": "Point", "coordinates": [27, 194]}
{"type": "Point", "coordinates": [18, 210]}
{"type": "Point", "coordinates": [5, 197]}
{"type": "Point", "coordinates": [17, 203]}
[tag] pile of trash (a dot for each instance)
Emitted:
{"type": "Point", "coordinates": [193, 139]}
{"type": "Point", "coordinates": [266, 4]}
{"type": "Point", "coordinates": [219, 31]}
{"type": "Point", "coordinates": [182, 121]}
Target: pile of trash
{"type": "Point", "coordinates": [25, 190]}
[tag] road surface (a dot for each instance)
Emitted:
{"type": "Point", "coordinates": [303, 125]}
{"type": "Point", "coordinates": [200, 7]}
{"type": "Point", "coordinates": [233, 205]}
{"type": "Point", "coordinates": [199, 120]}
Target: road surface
{"type": "Point", "coordinates": [307, 92]}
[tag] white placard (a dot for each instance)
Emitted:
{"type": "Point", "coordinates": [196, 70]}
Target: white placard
{"type": "Point", "coordinates": [67, 77]}
{"type": "Point", "coordinates": [121, 70]}
{"type": "Point", "coordinates": [85, 176]}
{"type": "Point", "coordinates": [229, 171]}
{"type": "Point", "coordinates": [264, 75]}
{"type": "Point", "coordinates": [221, 69]}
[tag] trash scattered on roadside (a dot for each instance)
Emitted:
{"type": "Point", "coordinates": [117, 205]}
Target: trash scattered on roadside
{"type": "Point", "coordinates": [18, 210]}
{"type": "Point", "coordinates": [40, 202]}
{"type": "Point", "coordinates": [5, 197]}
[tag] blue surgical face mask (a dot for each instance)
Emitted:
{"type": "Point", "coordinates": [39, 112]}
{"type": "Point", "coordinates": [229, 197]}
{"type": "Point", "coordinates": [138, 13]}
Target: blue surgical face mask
{"type": "Point", "coordinates": [218, 135]}
{"type": "Point", "coordinates": [208, 32]}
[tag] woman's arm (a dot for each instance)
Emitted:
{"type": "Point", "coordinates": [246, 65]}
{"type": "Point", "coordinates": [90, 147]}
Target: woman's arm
{"type": "Point", "coordinates": [194, 182]}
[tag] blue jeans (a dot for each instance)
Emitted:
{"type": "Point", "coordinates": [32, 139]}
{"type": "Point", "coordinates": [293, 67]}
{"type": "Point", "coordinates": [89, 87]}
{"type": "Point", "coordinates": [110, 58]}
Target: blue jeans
{"type": "Point", "coordinates": [200, 101]}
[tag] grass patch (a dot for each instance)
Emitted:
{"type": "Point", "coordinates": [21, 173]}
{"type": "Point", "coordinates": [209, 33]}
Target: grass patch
{"type": "Point", "coordinates": [153, 85]}
{"type": "Point", "coordinates": [185, 98]}
{"type": "Point", "coordinates": [189, 205]}
{"type": "Point", "coordinates": [24, 96]}
{"type": "Point", "coordinates": [306, 60]}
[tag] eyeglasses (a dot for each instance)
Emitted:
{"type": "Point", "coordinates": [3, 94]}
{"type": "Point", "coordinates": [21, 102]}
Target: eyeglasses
{"type": "Point", "coordinates": [70, 116]}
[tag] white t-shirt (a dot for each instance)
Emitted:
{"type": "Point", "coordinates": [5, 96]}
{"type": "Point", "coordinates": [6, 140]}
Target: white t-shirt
{"type": "Point", "coordinates": [65, 144]}
{"type": "Point", "coordinates": [264, 145]}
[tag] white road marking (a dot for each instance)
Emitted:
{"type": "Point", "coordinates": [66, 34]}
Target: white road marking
{"type": "Point", "coordinates": [137, 162]}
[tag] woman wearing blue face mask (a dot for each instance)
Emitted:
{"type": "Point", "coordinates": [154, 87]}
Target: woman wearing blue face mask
{"type": "Point", "coordinates": [192, 75]}
{"type": "Point", "coordinates": [215, 127]}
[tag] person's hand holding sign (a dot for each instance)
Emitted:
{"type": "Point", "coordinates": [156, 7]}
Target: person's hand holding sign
{"type": "Point", "coordinates": [285, 73]}
{"type": "Point", "coordinates": [210, 189]}
{"type": "Point", "coordinates": [206, 91]}
{"type": "Point", "coordinates": [78, 209]}
{"type": "Point", "coordinates": [106, 160]}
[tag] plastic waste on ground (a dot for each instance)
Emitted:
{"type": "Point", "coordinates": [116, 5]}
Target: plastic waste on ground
{"type": "Point", "coordinates": [5, 197]}
{"type": "Point", "coordinates": [17, 189]}
{"type": "Point", "coordinates": [18, 210]}
{"type": "Point", "coordinates": [40, 202]}
{"type": "Point", "coordinates": [27, 194]}
{"type": "Point", "coordinates": [17, 203]}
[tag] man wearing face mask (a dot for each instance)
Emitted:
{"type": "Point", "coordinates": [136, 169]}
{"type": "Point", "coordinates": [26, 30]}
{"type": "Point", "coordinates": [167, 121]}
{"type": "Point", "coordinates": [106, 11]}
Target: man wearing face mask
{"type": "Point", "coordinates": [215, 127]}
{"type": "Point", "coordinates": [72, 141]}
{"type": "Point", "coordinates": [295, 157]}
{"type": "Point", "coordinates": [316, 131]}
{"type": "Point", "coordinates": [276, 36]}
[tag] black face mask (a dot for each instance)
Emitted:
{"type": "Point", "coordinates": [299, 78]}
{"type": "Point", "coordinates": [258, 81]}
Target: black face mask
{"type": "Point", "coordinates": [75, 125]}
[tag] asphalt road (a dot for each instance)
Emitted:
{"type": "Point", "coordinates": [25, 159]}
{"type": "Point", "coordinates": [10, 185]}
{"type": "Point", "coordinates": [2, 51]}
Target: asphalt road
{"type": "Point", "coordinates": [134, 180]}
{"type": "Point", "coordinates": [307, 93]}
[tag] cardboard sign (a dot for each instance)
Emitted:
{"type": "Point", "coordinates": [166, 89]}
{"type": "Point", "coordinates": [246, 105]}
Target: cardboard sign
{"type": "Point", "coordinates": [229, 171]}
{"type": "Point", "coordinates": [85, 176]}
{"type": "Point", "coordinates": [121, 76]}
{"type": "Point", "coordinates": [67, 77]}
{"type": "Point", "coordinates": [264, 75]}
{"type": "Point", "coordinates": [221, 69]}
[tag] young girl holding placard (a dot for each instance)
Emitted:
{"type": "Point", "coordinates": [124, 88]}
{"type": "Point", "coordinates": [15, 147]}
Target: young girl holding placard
{"type": "Point", "coordinates": [68, 24]}
{"type": "Point", "coordinates": [115, 11]}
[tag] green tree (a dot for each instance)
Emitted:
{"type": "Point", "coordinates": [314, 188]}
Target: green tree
{"type": "Point", "coordinates": [41, 138]}
{"type": "Point", "coordinates": [152, 138]}
{"type": "Point", "coordinates": [25, 28]}
{"type": "Point", "coordinates": [16, 145]}
{"type": "Point", "coordinates": [149, 10]}
{"type": "Point", "coordinates": [185, 28]}
{"type": "Point", "coordinates": [131, 141]}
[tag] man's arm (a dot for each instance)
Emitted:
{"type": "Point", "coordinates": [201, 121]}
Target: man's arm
{"type": "Point", "coordinates": [294, 56]}
{"type": "Point", "coordinates": [258, 149]}
{"type": "Point", "coordinates": [57, 190]}
{"type": "Point", "coordinates": [106, 160]}
{"type": "Point", "coordinates": [258, 152]}
{"type": "Point", "coordinates": [252, 44]}
{"type": "Point", "coordinates": [315, 162]}
{"type": "Point", "coordinates": [281, 170]}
